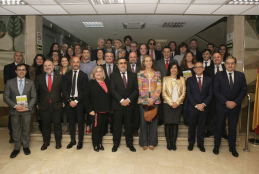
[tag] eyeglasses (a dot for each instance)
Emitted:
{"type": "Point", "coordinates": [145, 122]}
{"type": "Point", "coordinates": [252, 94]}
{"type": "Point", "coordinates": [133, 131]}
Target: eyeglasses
{"type": "Point", "coordinates": [151, 43]}
{"type": "Point", "coordinates": [20, 69]}
{"type": "Point", "coordinates": [121, 63]}
{"type": "Point", "coordinates": [198, 67]}
{"type": "Point", "coordinates": [55, 54]}
{"type": "Point", "coordinates": [230, 63]}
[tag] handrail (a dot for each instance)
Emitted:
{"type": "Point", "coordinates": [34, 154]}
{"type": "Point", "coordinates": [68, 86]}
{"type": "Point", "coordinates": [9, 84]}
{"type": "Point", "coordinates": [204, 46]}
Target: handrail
{"type": "Point", "coordinates": [247, 124]}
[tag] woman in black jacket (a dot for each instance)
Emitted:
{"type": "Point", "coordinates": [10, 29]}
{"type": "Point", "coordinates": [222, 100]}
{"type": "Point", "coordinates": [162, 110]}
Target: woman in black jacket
{"type": "Point", "coordinates": [97, 101]}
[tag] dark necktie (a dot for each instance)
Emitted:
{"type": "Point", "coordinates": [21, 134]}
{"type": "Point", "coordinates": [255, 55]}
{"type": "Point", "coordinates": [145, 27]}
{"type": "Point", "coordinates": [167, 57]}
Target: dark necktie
{"type": "Point", "coordinates": [73, 84]}
{"type": "Point", "coordinates": [231, 81]}
{"type": "Point", "coordinates": [132, 68]}
{"type": "Point", "coordinates": [172, 56]}
{"type": "Point", "coordinates": [109, 71]}
{"type": "Point", "coordinates": [199, 82]}
{"type": "Point", "coordinates": [206, 64]}
{"type": "Point", "coordinates": [124, 80]}
{"type": "Point", "coordinates": [217, 69]}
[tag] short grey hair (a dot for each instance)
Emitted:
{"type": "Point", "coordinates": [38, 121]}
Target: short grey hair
{"type": "Point", "coordinates": [231, 57]}
{"type": "Point", "coordinates": [101, 39]}
{"type": "Point", "coordinates": [120, 51]}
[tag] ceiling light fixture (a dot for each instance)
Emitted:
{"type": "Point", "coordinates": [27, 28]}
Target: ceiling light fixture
{"type": "Point", "coordinates": [93, 24]}
{"type": "Point", "coordinates": [107, 1]}
{"type": "Point", "coordinates": [161, 40]}
{"type": "Point", "coordinates": [73, 1]}
{"type": "Point", "coordinates": [243, 2]}
{"type": "Point", "coordinates": [12, 2]}
{"type": "Point", "coordinates": [173, 24]}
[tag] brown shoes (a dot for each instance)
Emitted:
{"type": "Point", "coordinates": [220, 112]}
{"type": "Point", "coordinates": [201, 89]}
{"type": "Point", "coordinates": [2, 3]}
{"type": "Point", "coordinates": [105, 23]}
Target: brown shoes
{"type": "Point", "coordinates": [58, 145]}
{"type": "Point", "coordinates": [144, 147]}
{"type": "Point", "coordinates": [44, 146]}
{"type": "Point", "coordinates": [151, 147]}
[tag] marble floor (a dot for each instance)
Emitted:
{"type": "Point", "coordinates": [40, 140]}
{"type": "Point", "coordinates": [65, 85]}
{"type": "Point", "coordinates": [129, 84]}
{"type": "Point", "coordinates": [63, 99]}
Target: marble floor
{"type": "Point", "coordinates": [124, 161]}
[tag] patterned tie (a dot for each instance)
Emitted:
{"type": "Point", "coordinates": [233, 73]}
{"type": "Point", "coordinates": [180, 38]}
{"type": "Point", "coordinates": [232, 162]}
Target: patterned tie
{"type": "Point", "coordinates": [49, 85]}
{"type": "Point", "coordinates": [124, 80]}
{"type": "Point", "coordinates": [230, 81]}
{"type": "Point", "coordinates": [74, 84]}
{"type": "Point", "coordinates": [21, 87]}
{"type": "Point", "coordinates": [132, 68]}
{"type": "Point", "coordinates": [109, 71]}
{"type": "Point", "coordinates": [166, 65]}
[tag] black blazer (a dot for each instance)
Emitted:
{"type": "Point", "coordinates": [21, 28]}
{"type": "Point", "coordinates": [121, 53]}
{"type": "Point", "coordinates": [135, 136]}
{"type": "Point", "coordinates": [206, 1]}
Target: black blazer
{"type": "Point", "coordinates": [158, 54]}
{"type": "Point", "coordinates": [82, 81]}
{"type": "Point", "coordinates": [223, 92]}
{"type": "Point", "coordinates": [127, 53]}
{"type": "Point", "coordinates": [119, 92]}
{"type": "Point", "coordinates": [43, 94]}
{"type": "Point", "coordinates": [198, 56]}
{"type": "Point", "coordinates": [9, 72]}
{"type": "Point", "coordinates": [211, 63]}
{"type": "Point", "coordinates": [195, 96]}
{"type": "Point", "coordinates": [137, 69]}
{"type": "Point", "coordinates": [115, 68]}
{"type": "Point", "coordinates": [210, 71]}
{"type": "Point", "coordinates": [95, 98]}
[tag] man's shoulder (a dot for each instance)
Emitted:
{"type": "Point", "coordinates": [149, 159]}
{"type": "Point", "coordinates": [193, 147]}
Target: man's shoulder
{"type": "Point", "coordinates": [9, 65]}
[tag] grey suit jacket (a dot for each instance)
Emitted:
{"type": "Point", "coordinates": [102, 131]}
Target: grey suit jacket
{"type": "Point", "coordinates": [160, 65]}
{"type": "Point", "coordinates": [11, 91]}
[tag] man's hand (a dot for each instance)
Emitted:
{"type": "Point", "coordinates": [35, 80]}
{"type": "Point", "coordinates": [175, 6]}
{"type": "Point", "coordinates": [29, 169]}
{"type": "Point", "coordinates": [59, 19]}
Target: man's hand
{"type": "Point", "coordinates": [92, 113]}
{"type": "Point", "coordinates": [200, 107]}
{"type": "Point", "coordinates": [174, 105]}
{"type": "Point", "coordinates": [150, 101]}
{"type": "Point", "coordinates": [63, 105]}
{"type": "Point", "coordinates": [23, 109]}
{"type": "Point", "coordinates": [125, 102]}
{"type": "Point", "coordinates": [73, 104]}
{"type": "Point", "coordinates": [18, 107]}
{"type": "Point", "coordinates": [230, 104]}
{"type": "Point", "coordinates": [37, 107]}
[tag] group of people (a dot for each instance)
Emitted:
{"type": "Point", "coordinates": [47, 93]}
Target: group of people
{"type": "Point", "coordinates": [94, 86]}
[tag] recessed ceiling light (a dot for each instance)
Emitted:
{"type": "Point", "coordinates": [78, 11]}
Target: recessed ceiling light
{"type": "Point", "coordinates": [161, 40]}
{"type": "Point", "coordinates": [107, 1]}
{"type": "Point", "coordinates": [134, 25]}
{"type": "Point", "coordinates": [12, 2]}
{"type": "Point", "coordinates": [243, 2]}
{"type": "Point", "coordinates": [173, 24]}
{"type": "Point", "coordinates": [73, 1]}
{"type": "Point", "coordinates": [93, 24]}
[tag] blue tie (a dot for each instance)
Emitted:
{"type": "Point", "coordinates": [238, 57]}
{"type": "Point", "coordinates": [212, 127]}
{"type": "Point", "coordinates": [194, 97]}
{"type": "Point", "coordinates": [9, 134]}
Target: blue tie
{"type": "Point", "coordinates": [21, 87]}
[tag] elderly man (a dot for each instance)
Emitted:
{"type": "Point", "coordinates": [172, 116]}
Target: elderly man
{"type": "Point", "coordinates": [117, 45]}
{"type": "Point", "coordinates": [158, 46]}
{"type": "Point", "coordinates": [64, 49]}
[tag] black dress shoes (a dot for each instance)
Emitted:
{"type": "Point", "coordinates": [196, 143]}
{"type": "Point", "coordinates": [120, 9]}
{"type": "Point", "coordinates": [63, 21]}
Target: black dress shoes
{"type": "Point", "coordinates": [201, 147]}
{"type": "Point", "coordinates": [71, 144]}
{"type": "Point", "coordinates": [79, 145]}
{"type": "Point", "coordinates": [131, 147]}
{"type": "Point", "coordinates": [11, 140]}
{"type": "Point", "coordinates": [14, 153]}
{"type": "Point", "coordinates": [96, 148]}
{"type": "Point", "coordinates": [101, 147]}
{"type": "Point", "coordinates": [115, 147]}
{"type": "Point", "coordinates": [208, 134]}
{"type": "Point", "coordinates": [186, 122]}
{"type": "Point", "coordinates": [216, 150]}
{"type": "Point", "coordinates": [169, 145]}
{"type": "Point", "coordinates": [173, 145]}
{"type": "Point", "coordinates": [190, 147]}
{"type": "Point", "coordinates": [26, 151]}
{"type": "Point", "coordinates": [58, 145]}
{"type": "Point", "coordinates": [225, 136]}
{"type": "Point", "coordinates": [234, 151]}
{"type": "Point", "coordinates": [44, 146]}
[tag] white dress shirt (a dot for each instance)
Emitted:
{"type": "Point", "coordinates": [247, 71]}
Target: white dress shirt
{"type": "Point", "coordinates": [208, 64]}
{"type": "Point", "coordinates": [125, 76]}
{"type": "Point", "coordinates": [175, 92]}
{"type": "Point", "coordinates": [197, 77]}
{"type": "Point", "coordinates": [232, 75]}
{"type": "Point", "coordinates": [154, 54]}
{"type": "Point", "coordinates": [107, 68]}
{"type": "Point", "coordinates": [133, 68]}
{"type": "Point", "coordinates": [215, 68]}
{"type": "Point", "coordinates": [76, 91]}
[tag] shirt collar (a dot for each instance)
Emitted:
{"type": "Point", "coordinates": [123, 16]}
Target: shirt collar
{"type": "Point", "coordinates": [167, 59]}
{"type": "Point", "coordinates": [230, 72]}
{"type": "Point", "coordinates": [218, 66]}
{"type": "Point", "coordinates": [207, 60]}
{"type": "Point", "coordinates": [20, 79]}
{"type": "Point", "coordinates": [199, 76]}
{"type": "Point", "coordinates": [108, 65]}
{"type": "Point", "coordinates": [76, 70]}
{"type": "Point", "coordinates": [86, 62]}
{"type": "Point", "coordinates": [125, 72]}
{"type": "Point", "coordinates": [50, 73]}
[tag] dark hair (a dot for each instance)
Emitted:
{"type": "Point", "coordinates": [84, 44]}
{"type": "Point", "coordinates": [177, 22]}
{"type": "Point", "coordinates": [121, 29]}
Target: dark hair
{"type": "Point", "coordinates": [210, 44]}
{"type": "Point", "coordinates": [183, 44]}
{"type": "Point", "coordinates": [194, 40]}
{"type": "Point", "coordinates": [151, 40]}
{"type": "Point", "coordinates": [61, 67]}
{"type": "Point", "coordinates": [122, 58]}
{"type": "Point", "coordinates": [51, 49]}
{"type": "Point", "coordinates": [134, 42]}
{"type": "Point", "coordinates": [34, 60]}
{"type": "Point", "coordinates": [67, 55]}
{"type": "Point", "coordinates": [20, 64]}
{"type": "Point", "coordinates": [226, 53]}
{"type": "Point", "coordinates": [97, 53]}
{"type": "Point", "coordinates": [145, 45]}
{"type": "Point", "coordinates": [184, 61]}
{"type": "Point", "coordinates": [118, 40]}
{"type": "Point", "coordinates": [231, 57]}
{"type": "Point", "coordinates": [167, 48]}
{"type": "Point", "coordinates": [77, 44]}
{"type": "Point", "coordinates": [205, 50]}
{"type": "Point", "coordinates": [128, 37]}
{"type": "Point", "coordinates": [58, 56]}
{"type": "Point", "coordinates": [169, 68]}
{"type": "Point", "coordinates": [108, 40]}
{"type": "Point", "coordinates": [85, 49]}
{"type": "Point", "coordinates": [176, 51]}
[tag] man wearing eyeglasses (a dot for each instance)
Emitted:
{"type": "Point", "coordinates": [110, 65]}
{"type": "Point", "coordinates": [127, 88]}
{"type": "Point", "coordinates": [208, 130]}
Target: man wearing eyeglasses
{"type": "Point", "coordinates": [20, 95]}
{"type": "Point", "coordinates": [156, 55]}
{"type": "Point", "coordinates": [9, 73]}
{"type": "Point", "coordinates": [199, 91]}
{"type": "Point", "coordinates": [134, 48]}
{"type": "Point", "coordinates": [124, 90]}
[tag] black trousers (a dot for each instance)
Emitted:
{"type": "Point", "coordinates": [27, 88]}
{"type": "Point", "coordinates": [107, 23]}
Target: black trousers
{"type": "Point", "coordinates": [118, 117]}
{"type": "Point", "coordinates": [97, 132]}
{"type": "Point", "coordinates": [196, 117]}
{"type": "Point", "coordinates": [48, 116]}
{"type": "Point", "coordinates": [232, 126]}
{"type": "Point", "coordinates": [136, 119]}
{"type": "Point", "coordinates": [73, 113]}
{"type": "Point", "coordinates": [10, 126]}
{"type": "Point", "coordinates": [160, 108]}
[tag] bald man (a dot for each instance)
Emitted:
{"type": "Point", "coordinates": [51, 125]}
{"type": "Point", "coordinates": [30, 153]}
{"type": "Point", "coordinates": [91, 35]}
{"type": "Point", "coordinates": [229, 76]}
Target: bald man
{"type": "Point", "coordinates": [158, 46]}
{"type": "Point", "coordinates": [9, 73]}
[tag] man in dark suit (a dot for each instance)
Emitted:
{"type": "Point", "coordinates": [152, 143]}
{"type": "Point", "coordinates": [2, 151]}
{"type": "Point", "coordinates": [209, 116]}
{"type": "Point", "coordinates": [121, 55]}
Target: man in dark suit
{"type": "Point", "coordinates": [100, 45]}
{"type": "Point", "coordinates": [206, 55]}
{"type": "Point", "coordinates": [199, 92]}
{"type": "Point", "coordinates": [124, 90]}
{"type": "Point", "coordinates": [9, 73]}
{"type": "Point", "coordinates": [109, 67]}
{"type": "Point", "coordinates": [109, 45]}
{"type": "Point", "coordinates": [156, 55]}
{"type": "Point", "coordinates": [20, 87]}
{"type": "Point", "coordinates": [143, 49]}
{"type": "Point", "coordinates": [134, 48]}
{"type": "Point", "coordinates": [133, 67]}
{"type": "Point", "coordinates": [127, 42]}
{"type": "Point", "coordinates": [162, 66]}
{"type": "Point", "coordinates": [230, 88]}
{"type": "Point", "coordinates": [211, 71]}
{"type": "Point", "coordinates": [50, 103]}
{"type": "Point", "coordinates": [117, 45]}
{"type": "Point", "coordinates": [73, 86]}
{"type": "Point", "coordinates": [193, 46]}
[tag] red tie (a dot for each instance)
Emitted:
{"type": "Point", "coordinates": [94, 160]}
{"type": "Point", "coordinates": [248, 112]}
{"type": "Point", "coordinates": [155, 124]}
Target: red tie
{"type": "Point", "coordinates": [166, 65]}
{"type": "Point", "coordinates": [124, 80]}
{"type": "Point", "coordinates": [152, 54]}
{"type": "Point", "coordinates": [199, 83]}
{"type": "Point", "coordinates": [49, 85]}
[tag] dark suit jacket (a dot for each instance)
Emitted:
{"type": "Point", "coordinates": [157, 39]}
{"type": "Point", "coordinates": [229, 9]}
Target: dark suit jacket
{"type": "Point", "coordinates": [127, 54]}
{"type": "Point", "coordinates": [160, 65]}
{"type": "Point", "coordinates": [43, 94]}
{"type": "Point", "coordinates": [137, 68]}
{"type": "Point", "coordinates": [95, 98]}
{"type": "Point", "coordinates": [198, 56]}
{"type": "Point", "coordinates": [210, 71]}
{"type": "Point", "coordinates": [82, 81]}
{"type": "Point", "coordinates": [119, 92]}
{"type": "Point", "coordinates": [158, 54]}
{"type": "Point", "coordinates": [9, 72]}
{"type": "Point", "coordinates": [211, 63]}
{"type": "Point", "coordinates": [223, 92]}
{"type": "Point", "coordinates": [115, 68]}
{"type": "Point", "coordinates": [195, 96]}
